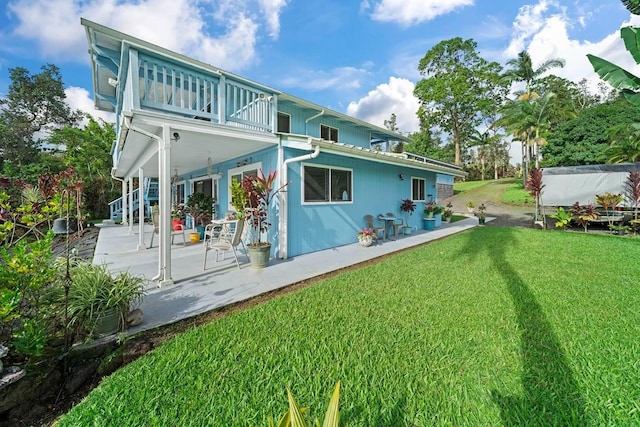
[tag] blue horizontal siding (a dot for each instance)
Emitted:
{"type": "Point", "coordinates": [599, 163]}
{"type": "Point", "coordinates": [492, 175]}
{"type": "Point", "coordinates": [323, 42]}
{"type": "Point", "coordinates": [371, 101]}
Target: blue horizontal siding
{"type": "Point", "coordinates": [376, 189]}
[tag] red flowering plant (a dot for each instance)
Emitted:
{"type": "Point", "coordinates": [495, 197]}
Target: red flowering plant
{"type": "Point", "coordinates": [260, 191]}
{"type": "Point", "coordinates": [365, 232]}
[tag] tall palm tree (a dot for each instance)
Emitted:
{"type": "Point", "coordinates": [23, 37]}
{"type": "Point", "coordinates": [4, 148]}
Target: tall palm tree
{"type": "Point", "coordinates": [521, 70]}
{"type": "Point", "coordinates": [528, 121]}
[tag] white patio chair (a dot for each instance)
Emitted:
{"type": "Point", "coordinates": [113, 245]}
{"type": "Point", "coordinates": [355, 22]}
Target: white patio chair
{"type": "Point", "coordinates": [228, 239]}
{"type": "Point", "coordinates": [178, 231]}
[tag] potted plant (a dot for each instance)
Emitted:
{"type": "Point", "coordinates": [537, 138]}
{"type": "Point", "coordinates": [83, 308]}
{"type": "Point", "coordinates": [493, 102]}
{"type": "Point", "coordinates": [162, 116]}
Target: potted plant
{"type": "Point", "coordinates": [448, 212]}
{"type": "Point", "coordinates": [428, 220]}
{"type": "Point", "coordinates": [480, 213]}
{"type": "Point", "coordinates": [199, 207]}
{"type": "Point", "coordinates": [428, 209]}
{"type": "Point", "coordinates": [99, 302]}
{"type": "Point", "coordinates": [437, 214]}
{"type": "Point", "coordinates": [177, 216]}
{"type": "Point", "coordinates": [620, 230]}
{"type": "Point", "coordinates": [365, 236]}
{"type": "Point", "coordinates": [255, 199]}
{"type": "Point", "coordinates": [407, 206]}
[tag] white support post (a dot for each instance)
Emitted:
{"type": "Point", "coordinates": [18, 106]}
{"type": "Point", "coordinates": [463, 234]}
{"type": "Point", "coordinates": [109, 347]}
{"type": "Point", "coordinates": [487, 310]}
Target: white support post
{"type": "Point", "coordinates": [131, 205]}
{"type": "Point", "coordinates": [124, 202]}
{"type": "Point", "coordinates": [164, 202]}
{"type": "Point", "coordinates": [141, 205]}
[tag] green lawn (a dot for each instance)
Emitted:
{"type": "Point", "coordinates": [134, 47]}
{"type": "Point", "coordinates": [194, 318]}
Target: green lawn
{"type": "Point", "coordinates": [494, 326]}
{"type": "Point", "coordinates": [516, 195]}
{"type": "Point", "coordinates": [462, 186]}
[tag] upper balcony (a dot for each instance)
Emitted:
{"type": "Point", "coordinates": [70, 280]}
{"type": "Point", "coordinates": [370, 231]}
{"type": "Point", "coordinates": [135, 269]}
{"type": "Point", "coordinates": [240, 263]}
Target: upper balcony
{"type": "Point", "coordinates": [130, 74]}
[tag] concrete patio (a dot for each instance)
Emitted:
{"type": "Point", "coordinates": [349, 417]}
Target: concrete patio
{"type": "Point", "coordinates": [196, 291]}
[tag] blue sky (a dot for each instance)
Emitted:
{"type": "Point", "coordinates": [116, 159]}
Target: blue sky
{"type": "Point", "coordinates": [358, 57]}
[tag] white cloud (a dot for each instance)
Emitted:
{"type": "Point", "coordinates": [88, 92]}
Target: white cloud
{"type": "Point", "coordinates": [387, 98]}
{"type": "Point", "coordinates": [551, 40]}
{"type": "Point", "coordinates": [223, 32]}
{"type": "Point", "coordinates": [410, 12]}
{"type": "Point", "coordinates": [528, 22]}
{"type": "Point", "coordinates": [340, 78]}
{"type": "Point", "coordinates": [79, 99]}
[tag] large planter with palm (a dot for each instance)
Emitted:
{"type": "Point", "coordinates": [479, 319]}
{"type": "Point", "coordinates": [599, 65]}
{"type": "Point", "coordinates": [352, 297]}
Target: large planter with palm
{"type": "Point", "coordinates": [252, 197]}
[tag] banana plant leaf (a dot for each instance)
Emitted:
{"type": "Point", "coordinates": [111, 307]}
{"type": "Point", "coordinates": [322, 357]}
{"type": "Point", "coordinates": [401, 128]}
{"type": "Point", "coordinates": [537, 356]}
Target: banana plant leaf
{"type": "Point", "coordinates": [632, 6]}
{"type": "Point", "coordinates": [617, 77]}
{"type": "Point", "coordinates": [631, 38]}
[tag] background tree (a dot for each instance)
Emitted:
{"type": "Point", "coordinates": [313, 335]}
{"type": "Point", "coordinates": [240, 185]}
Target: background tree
{"type": "Point", "coordinates": [459, 88]}
{"type": "Point", "coordinates": [88, 151]}
{"type": "Point", "coordinates": [34, 105]}
{"type": "Point", "coordinates": [392, 125]}
{"type": "Point", "coordinates": [425, 144]}
{"type": "Point", "coordinates": [583, 140]}
{"type": "Point", "coordinates": [624, 144]}
{"type": "Point", "coordinates": [521, 70]}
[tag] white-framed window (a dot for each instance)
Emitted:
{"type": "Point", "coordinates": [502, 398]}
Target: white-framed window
{"type": "Point", "coordinates": [324, 184]}
{"type": "Point", "coordinates": [284, 123]}
{"type": "Point", "coordinates": [418, 186]}
{"type": "Point", "coordinates": [328, 133]}
{"type": "Point", "coordinates": [238, 174]}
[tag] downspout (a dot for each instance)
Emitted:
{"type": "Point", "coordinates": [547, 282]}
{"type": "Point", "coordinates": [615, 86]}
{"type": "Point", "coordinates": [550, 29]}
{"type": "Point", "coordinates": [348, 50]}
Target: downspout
{"type": "Point", "coordinates": [306, 122]}
{"type": "Point", "coordinates": [284, 208]}
{"type": "Point", "coordinates": [163, 270]}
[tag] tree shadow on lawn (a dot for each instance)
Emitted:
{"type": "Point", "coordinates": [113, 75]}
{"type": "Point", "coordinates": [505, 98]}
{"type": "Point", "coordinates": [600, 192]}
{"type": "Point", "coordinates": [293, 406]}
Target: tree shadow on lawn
{"type": "Point", "coordinates": [551, 393]}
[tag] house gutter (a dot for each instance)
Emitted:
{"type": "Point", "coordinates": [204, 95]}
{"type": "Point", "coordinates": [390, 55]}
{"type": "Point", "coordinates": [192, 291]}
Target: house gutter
{"type": "Point", "coordinates": [315, 116]}
{"type": "Point", "coordinates": [284, 210]}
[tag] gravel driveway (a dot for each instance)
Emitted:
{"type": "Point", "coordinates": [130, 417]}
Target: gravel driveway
{"type": "Point", "coordinates": [490, 194]}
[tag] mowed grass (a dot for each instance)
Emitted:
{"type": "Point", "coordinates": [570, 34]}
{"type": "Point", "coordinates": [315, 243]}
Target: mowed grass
{"type": "Point", "coordinates": [494, 326]}
{"type": "Point", "coordinates": [463, 186]}
{"type": "Point", "coordinates": [516, 195]}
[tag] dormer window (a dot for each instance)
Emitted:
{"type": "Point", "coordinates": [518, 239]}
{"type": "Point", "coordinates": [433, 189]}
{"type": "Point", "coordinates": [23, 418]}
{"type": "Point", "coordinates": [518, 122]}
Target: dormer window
{"type": "Point", "coordinates": [328, 133]}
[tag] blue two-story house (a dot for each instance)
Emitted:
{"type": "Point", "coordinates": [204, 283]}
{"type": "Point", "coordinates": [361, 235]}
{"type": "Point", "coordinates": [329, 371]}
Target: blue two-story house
{"type": "Point", "coordinates": [195, 128]}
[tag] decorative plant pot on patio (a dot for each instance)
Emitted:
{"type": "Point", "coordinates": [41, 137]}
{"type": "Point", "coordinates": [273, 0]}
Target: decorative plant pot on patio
{"type": "Point", "coordinates": [406, 230]}
{"type": "Point", "coordinates": [429, 223]}
{"type": "Point", "coordinates": [481, 221]}
{"type": "Point", "coordinates": [259, 255]}
{"type": "Point", "coordinates": [200, 230]}
{"type": "Point", "coordinates": [438, 218]}
{"type": "Point", "coordinates": [194, 237]}
{"type": "Point", "coordinates": [108, 323]}
{"type": "Point", "coordinates": [365, 240]}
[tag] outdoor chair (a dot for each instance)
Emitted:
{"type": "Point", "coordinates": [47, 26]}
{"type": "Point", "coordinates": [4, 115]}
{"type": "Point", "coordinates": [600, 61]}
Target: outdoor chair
{"type": "Point", "coordinates": [396, 224]}
{"type": "Point", "coordinates": [228, 239]}
{"type": "Point", "coordinates": [368, 219]}
{"type": "Point", "coordinates": [177, 230]}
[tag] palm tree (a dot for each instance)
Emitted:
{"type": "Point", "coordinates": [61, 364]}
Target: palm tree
{"type": "Point", "coordinates": [527, 120]}
{"type": "Point", "coordinates": [522, 70]}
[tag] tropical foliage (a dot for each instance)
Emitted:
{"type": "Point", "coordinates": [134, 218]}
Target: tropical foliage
{"type": "Point", "coordinates": [459, 87]}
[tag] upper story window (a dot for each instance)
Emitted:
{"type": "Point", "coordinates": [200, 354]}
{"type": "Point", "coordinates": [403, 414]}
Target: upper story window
{"type": "Point", "coordinates": [284, 123]}
{"type": "Point", "coordinates": [328, 133]}
{"type": "Point", "coordinates": [327, 185]}
{"type": "Point", "coordinates": [418, 186]}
